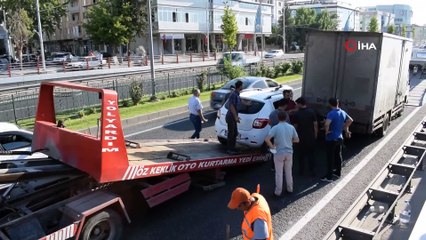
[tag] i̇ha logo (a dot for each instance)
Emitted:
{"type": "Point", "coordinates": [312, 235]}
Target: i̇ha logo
{"type": "Point", "coordinates": [351, 45]}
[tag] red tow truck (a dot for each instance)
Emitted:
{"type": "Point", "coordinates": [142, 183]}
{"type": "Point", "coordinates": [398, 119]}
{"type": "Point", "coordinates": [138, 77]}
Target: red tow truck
{"type": "Point", "coordinates": [84, 186]}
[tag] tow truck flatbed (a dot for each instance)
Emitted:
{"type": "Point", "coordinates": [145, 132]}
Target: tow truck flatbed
{"type": "Point", "coordinates": [74, 183]}
{"type": "Point", "coordinates": [159, 157]}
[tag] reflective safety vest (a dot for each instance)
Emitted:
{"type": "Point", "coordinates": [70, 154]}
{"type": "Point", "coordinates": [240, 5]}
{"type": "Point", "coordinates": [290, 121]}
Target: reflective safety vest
{"type": "Point", "coordinates": [259, 210]}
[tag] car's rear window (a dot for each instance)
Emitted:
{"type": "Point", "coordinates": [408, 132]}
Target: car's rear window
{"type": "Point", "coordinates": [228, 85]}
{"type": "Point", "coordinates": [248, 106]}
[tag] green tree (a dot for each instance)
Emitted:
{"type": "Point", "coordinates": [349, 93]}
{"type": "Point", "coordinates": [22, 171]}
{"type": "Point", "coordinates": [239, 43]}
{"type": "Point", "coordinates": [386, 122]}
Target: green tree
{"type": "Point", "coordinates": [289, 30]}
{"type": "Point", "coordinates": [304, 19]}
{"type": "Point", "coordinates": [116, 22]}
{"type": "Point", "coordinates": [229, 27]}
{"type": "Point", "coordinates": [391, 29]}
{"type": "Point", "coordinates": [326, 21]}
{"type": "Point", "coordinates": [374, 25]}
{"type": "Point", "coordinates": [21, 30]}
{"type": "Point", "coordinates": [51, 11]}
{"type": "Point", "coordinates": [404, 31]}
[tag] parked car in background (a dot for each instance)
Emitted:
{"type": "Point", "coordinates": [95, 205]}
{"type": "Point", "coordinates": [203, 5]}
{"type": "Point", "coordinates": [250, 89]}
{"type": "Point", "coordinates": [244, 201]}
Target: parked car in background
{"type": "Point", "coordinates": [61, 57]}
{"type": "Point", "coordinates": [274, 54]}
{"type": "Point", "coordinates": [254, 110]}
{"type": "Point", "coordinates": [219, 96]}
{"type": "Point", "coordinates": [238, 59]}
{"type": "Point", "coordinates": [90, 62]}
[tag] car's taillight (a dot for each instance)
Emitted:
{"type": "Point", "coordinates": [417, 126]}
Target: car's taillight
{"type": "Point", "coordinates": [260, 123]}
{"type": "Point", "coordinates": [213, 94]}
{"type": "Point", "coordinates": [218, 114]}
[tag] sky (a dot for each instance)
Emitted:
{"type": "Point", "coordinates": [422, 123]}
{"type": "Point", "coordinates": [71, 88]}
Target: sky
{"type": "Point", "coordinates": [418, 6]}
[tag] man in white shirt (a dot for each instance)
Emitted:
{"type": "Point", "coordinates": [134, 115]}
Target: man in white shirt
{"type": "Point", "coordinates": [196, 113]}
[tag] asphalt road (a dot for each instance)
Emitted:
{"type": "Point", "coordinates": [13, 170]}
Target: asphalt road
{"type": "Point", "coordinates": [197, 214]}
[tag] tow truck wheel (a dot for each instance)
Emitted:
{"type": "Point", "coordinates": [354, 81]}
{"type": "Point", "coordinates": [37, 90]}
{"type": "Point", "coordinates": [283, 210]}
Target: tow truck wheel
{"type": "Point", "coordinates": [105, 225]}
{"type": "Point", "coordinates": [222, 140]}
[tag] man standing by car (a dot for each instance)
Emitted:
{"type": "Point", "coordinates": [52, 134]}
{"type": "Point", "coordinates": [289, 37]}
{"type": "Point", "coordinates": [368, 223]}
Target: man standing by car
{"type": "Point", "coordinates": [291, 105]}
{"type": "Point", "coordinates": [336, 122]}
{"type": "Point", "coordinates": [232, 116]}
{"type": "Point", "coordinates": [281, 106]}
{"type": "Point", "coordinates": [306, 124]}
{"type": "Point", "coordinates": [196, 113]}
{"type": "Point", "coordinates": [284, 136]}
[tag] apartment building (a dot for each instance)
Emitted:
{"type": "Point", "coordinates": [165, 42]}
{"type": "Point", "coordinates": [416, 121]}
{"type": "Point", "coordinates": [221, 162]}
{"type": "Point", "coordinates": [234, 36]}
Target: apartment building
{"type": "Point", "coordinates": [71, 36]}
{"type": "Point", "coordinates": [178, 26]}
{"type": "Point", "coordinates": [348, 14]}
{"type": "Point", "coordinates": [182, 26]}
{"type": "Point", "coordinates": [403, 15]}
{"type": "Point", "coordinates": [384, 20]}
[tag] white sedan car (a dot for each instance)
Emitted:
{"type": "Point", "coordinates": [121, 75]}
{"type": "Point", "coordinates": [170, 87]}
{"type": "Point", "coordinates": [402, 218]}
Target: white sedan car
{"type": "Point", "coordinates": [274, 54]}
{"type": "Point", "coordinates": [254, 116]}
{"type": "Point", "coordinates": [89, 62]}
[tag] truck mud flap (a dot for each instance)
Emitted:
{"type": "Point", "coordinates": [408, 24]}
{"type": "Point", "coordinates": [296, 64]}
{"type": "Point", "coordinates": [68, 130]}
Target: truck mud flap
{"type": "Point", "coordinates": [375, 208]}
{"type": "Point", "coordinates": [166, 189]}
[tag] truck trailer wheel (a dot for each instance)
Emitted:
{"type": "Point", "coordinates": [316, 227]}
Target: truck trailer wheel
{"type": "Point", "coordinates": [105, 225]}
{"type": "Point", "coordinates": [383, 130]}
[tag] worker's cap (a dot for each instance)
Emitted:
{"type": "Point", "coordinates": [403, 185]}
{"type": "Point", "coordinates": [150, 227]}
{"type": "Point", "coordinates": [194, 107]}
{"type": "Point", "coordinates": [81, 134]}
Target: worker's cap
{"type": "Point", "coordinates": [239, 195]}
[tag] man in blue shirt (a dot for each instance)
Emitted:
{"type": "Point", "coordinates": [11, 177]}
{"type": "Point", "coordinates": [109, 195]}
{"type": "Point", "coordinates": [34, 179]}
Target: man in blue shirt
{"type": "Point", "coordinates": [232, 116]}
{"type": "Point", "coordinates": [337, 121]}
{"type": "Point", "coordinates": [284, 136]}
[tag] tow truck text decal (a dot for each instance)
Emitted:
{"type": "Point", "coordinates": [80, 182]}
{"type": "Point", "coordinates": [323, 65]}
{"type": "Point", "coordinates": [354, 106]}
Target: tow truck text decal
{"type": "Point", "coordinates": [138, 171]}
{"type": "Point", "coordinates": [110, 132]}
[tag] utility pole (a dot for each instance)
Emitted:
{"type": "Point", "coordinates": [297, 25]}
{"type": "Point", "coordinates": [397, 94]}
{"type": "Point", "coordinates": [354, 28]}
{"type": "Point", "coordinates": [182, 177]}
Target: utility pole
{"type": "Point", "coordinates": [262, 39]}
{"type": "Point", "coordinates": [208, 28]}
{"type": "Point", "coordinates": [40, 36]}
{"type": "Point", "coordinates": [284, 11]}
{"type": "Point", "coordinates": [151, 54]}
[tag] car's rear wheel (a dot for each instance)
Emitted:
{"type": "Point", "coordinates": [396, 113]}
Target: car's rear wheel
{"type": "Point", "coordinates": [222, 140]}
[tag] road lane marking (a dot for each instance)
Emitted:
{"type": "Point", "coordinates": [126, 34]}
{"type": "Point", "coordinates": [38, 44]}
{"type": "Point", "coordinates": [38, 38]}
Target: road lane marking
{"type": "Point", "coordinates": [175, 122]}
{"type": "Point", "coordinates": [299, 225]}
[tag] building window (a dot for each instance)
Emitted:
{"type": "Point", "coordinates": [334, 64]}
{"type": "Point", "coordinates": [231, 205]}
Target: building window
{"type": "Point", "coordinates": [75, 17]}
{"type": "Point", "coordinates": [186, 17]}
{"type": "Point", "coordinates": [174, 17]}
{"type": "Point", "coordinates": [247, 21]}
{"type": "Point", "coordinates": [279, 4]}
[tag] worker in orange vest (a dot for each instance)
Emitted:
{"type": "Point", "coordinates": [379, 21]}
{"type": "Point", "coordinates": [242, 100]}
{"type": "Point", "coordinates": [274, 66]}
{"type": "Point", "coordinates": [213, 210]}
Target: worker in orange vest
{"type": "Point", "coordinates": [257, 222]}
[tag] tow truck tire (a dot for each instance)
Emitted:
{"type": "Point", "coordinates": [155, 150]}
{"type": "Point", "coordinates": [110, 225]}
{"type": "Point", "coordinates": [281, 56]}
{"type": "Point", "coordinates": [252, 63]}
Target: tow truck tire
{"type": "Point", "coordinates": [104, 225]}
{"type": "Point", "coordinates": [222, 140]}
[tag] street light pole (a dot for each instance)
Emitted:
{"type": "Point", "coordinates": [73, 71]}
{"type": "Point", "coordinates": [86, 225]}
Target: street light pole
{"type": "Point", "coordinates": [284, 9]}
{"type": "Point", "coordinates": [151, 48]}
{"type": "Point", "coordinates": [40, 35]}
{"type": "Point", "coordinates": [262, 39]}
{"type": "Point", "coordinates": [208, 28]}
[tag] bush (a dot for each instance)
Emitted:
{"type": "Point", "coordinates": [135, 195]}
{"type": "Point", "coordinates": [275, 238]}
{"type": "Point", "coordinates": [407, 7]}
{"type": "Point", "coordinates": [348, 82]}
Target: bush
{"type": "Point", "coordinates": [201, 80]}
{"type": "Point", "coordinates": [91, 110]}
{"type": "Point", "coordinates": [126, 103]}
{"type": "Point", "coordinates": [270, 72]}
{"type": "Point", "coordinates": [135, 92]}
{"type": "Point", "coordinates": [81, 113]}
{"type": "Point", "coordinates": [232, 71]}
{"type": "Point", "coordinates": [283, 68]}
{"type": "Point", "coordinates": [297, 67]}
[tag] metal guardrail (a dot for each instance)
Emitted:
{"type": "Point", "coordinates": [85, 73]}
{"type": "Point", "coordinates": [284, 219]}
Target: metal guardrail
{"type": "Point", "coordinates": [382, 195]}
